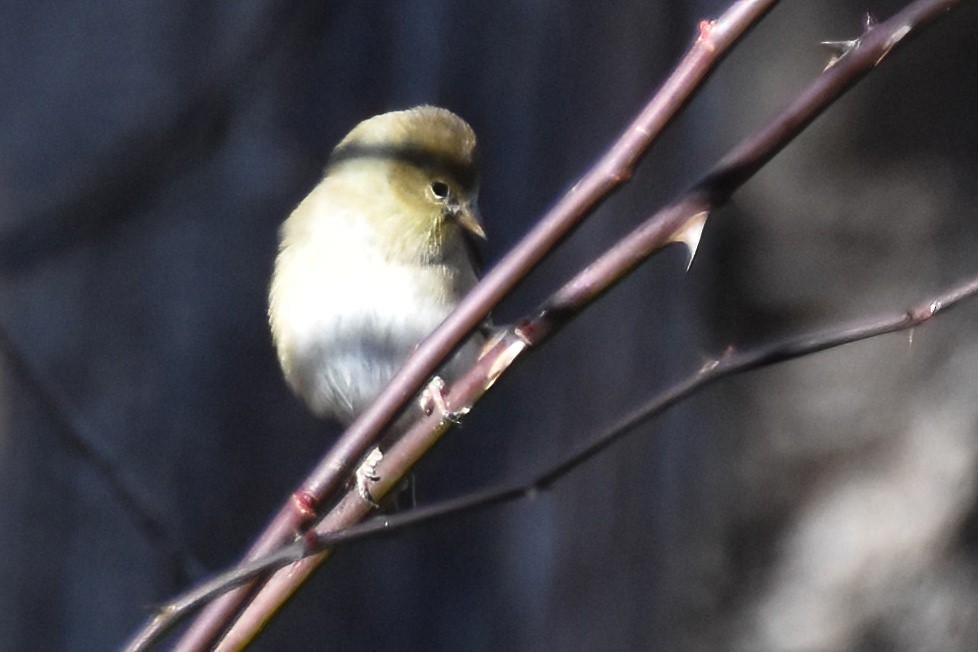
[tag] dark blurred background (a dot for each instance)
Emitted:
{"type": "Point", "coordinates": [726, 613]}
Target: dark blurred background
{"type": "Point", "coordinates": [148, 153]}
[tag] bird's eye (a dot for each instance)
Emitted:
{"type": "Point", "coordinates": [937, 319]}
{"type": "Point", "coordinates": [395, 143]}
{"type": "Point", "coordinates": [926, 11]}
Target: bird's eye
{"type": "Point", "coordinates": [439, 189]}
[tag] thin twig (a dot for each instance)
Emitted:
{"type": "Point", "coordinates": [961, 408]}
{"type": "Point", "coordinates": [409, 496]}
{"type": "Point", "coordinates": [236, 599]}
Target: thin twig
{"type": "Point", "coordinates": [182, 563]}
{"type": "Point", "coordinates": [729, 364]}
{"type": "Point", "coordinates": [671, 224]}
{"type": "Point", "coordinates": [613, 169]}
{"type": "Point", "coordinates": [868, 51]}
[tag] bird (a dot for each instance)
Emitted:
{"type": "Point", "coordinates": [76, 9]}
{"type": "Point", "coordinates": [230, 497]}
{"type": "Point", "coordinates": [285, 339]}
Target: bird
{"type": "Point", "coordinates": [375, 257]}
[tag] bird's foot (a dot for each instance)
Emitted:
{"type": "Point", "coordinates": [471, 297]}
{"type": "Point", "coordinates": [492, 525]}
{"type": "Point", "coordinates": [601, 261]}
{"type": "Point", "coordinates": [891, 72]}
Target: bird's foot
{"type": "Point", "coordinates": [433, 398]}
{"type": "Point", "coordinates": [367, 475]}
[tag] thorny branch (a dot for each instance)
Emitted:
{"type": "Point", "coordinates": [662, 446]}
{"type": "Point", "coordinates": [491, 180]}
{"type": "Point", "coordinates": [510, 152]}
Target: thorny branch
{"type": "Point", "coordinates": [605, 176]}
{"type": "Point", "coordinates": [680, 221]}
{"type": "Point", "coordinates": [731, 363]}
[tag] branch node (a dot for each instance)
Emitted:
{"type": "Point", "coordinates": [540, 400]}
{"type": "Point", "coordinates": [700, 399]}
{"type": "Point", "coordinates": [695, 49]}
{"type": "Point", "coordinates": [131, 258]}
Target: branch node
{"type": "Point", "coordinates": [305, 503]}
{"type": "Point", "coordinates": [310, 540]}
{"type": "Point", "coordinates": [920, 314]}
{"type": "Point", "coordinates": [619, 177]}
{"type": "Point", "coordinates": [522, 330]}
{"type": "Point", "coordinates": [705, 36]}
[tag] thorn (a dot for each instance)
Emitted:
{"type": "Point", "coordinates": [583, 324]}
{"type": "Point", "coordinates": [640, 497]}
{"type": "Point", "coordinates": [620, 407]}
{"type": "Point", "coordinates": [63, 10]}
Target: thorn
{"type": "Point", "coordinates": [690, 233]}
{"type": "Point", "coordinates": [497, 335]}
{"type": "Point", "coordinates": [709, 366]}
{"type": "Point", "coordinates": [910, 333]}
{"type": "Point", "coordinates": [505, 359]}
{"type": "Point", "coordinates": [839, 49]}
{"type": "Point", "coordinates": [891, 42]}
{"type": "Point", "coordinates": [842, 48]}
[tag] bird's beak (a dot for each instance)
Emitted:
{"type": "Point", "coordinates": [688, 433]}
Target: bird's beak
{"type": "Point", "coordinates": [468, 216]}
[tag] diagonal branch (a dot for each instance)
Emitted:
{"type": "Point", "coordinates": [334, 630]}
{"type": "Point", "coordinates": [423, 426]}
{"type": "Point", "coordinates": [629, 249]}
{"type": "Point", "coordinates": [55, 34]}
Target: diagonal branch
{"type": "Point", "coordinates": [183, 565]}
{"type": "Point", "coordinates": [613, 169]}
{"type": "Point", "coordinates": [680, 221]}
{"type": "Point", "coordinates": [729, 364]}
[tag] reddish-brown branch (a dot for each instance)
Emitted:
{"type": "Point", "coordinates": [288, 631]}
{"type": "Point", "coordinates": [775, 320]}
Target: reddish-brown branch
{"type": "Point", "coordinates": [715, 189]}
{"type": "Point", "coordinates": [606, 176]}
{"type": "Point", "coordinates": [731, 363]}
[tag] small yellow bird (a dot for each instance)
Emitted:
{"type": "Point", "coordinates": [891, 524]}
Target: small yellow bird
{"type": "Point", "coordinates": [376, 256]}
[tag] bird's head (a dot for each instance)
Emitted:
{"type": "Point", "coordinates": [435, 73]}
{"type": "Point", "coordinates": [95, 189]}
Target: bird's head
{"type": "Point", "coordinates": [427, 158]}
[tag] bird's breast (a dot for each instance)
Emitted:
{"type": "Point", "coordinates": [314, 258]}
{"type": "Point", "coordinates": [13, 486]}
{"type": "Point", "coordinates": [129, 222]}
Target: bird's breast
{"type": "Point", "coordinates": [343, 331]}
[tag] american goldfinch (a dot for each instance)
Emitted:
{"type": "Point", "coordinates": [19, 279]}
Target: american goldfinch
{"type": "Point", "coordinates": [376, 256]}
